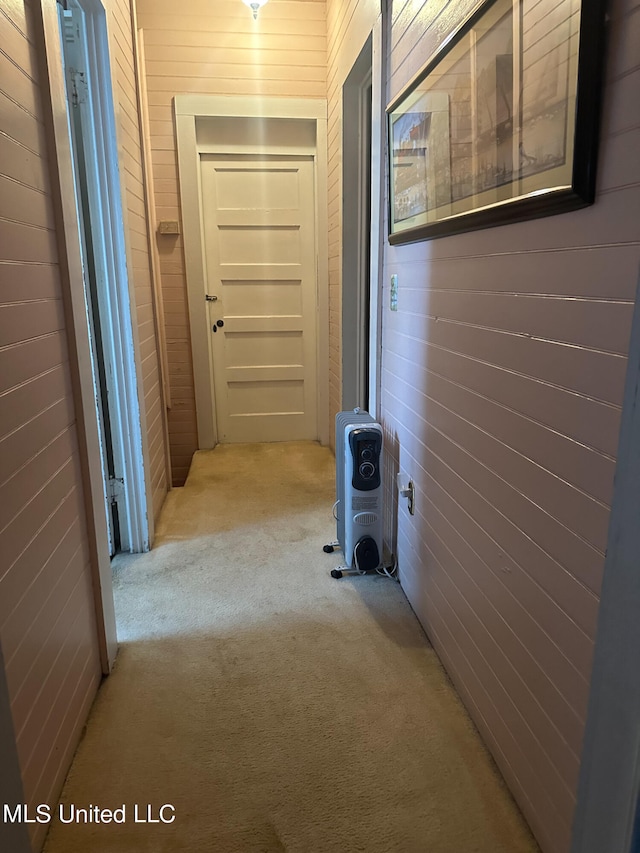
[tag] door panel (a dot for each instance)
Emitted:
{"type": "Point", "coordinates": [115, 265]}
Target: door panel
{"type": "Point", "coordinates": [237, 188]}
{"type": "Point", "coordinates": [259, 224]}
{"type": "Point", "coordinates": [265, 297]}
{"type": "Point", "coordinates": [263, 349]}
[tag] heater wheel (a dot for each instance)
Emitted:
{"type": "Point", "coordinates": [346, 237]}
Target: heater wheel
{"type": "Point", "coordinates": [336, 573]}
{"type": "Point", "coordinates": [328, 549]}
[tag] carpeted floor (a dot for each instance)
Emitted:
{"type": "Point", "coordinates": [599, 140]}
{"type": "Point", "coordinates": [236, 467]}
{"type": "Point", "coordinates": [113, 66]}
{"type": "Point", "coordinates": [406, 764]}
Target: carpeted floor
{"type": "Point", "coordinates": [276, 709]}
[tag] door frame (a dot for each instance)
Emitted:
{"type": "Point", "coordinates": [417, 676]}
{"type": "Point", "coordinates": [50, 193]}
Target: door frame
{"type": "Point", "coordinates": [89, 150]}
{"type": "Point", "coordinates": [132, 410]}
{"type": "Point", "coordinates": [355, 39]}
{"type": "Point", "coordinates": [188, 109]}
{"type": "Point", "coordinates": [357, 145]}
{"type": "Point", "coordinates": [110, 207]}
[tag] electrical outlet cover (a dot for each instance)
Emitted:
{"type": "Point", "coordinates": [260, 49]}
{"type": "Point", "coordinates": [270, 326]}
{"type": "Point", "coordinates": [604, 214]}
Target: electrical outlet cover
{"type": "Point", "coordinates": [169, 226]}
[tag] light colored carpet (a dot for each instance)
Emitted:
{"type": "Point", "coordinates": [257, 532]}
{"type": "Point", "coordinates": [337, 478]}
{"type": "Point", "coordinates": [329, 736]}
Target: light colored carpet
{"type": "Point", "coordinates": [276, 708]}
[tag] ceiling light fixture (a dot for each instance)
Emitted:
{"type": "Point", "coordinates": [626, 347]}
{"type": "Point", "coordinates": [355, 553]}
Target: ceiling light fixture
{"type": "Point", "coordinates": [254, 5]}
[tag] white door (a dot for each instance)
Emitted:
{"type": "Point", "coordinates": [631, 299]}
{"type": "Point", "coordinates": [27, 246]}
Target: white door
{"type": "Point", "coordinates": [92, 196]}
{"type": "Point", "coordinates": [259, 234]}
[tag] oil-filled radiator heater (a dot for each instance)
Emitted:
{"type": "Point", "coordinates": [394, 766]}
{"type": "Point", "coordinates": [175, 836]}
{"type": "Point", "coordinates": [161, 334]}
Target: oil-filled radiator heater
{"type": "Point", "coordinates": [358, 506]}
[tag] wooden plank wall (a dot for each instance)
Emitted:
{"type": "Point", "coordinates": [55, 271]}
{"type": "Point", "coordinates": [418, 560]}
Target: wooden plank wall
{"type": "Point", "coordinates": [47, 619]}
{"type": "Point", "coordinates": [503, 375]}
{"type": "Point", "coordinates": [199, 47]}
{"type": "Point", "coordinates": [14, 836]}
{"type": "Point", "coordinates": [128, 120]}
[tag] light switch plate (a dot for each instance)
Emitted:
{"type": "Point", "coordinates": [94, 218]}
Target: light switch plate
{"type": "Point", "coordinates": [394, 293]}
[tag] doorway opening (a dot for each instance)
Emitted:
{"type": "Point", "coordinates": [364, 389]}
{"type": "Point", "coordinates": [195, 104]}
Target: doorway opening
{"type": "Point", "coordinates": [357, 104]}
{"type": "Point", "coordinates": [274, 292]}
{"type": "Point", "coordinates": [92, 138]}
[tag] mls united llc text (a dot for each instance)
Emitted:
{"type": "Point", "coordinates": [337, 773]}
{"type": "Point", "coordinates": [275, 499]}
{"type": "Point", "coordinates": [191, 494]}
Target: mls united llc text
{"type": "Point", "coordinates": [69, 813]}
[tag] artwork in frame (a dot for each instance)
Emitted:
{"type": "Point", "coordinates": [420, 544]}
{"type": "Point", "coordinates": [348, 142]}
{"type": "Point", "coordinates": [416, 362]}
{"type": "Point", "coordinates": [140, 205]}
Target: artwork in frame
{"type": "Point", "coordinates": [501, 125]}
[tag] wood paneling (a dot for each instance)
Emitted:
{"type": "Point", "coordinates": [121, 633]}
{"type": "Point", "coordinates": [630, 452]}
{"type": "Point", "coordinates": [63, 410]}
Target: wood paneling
{"type": "Point", "coordinates": [135, 220]}
{"type": "Point", "coordinates": [503, 374]}
{"type": "Point", "coordinates": [47, 617]}
{"type": "Point", "coordinates": [193, 48]}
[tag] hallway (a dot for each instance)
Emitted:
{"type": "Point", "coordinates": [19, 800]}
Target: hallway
{"type": "Point", "coordinates": [275, 708]}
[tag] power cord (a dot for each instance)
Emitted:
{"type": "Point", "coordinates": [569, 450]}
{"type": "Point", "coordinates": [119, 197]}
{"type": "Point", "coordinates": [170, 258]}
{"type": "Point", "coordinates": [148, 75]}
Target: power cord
{"type": "Point", "coordinates": [391, 573]}
{"type": "Point", "coordinates": [355, 560]}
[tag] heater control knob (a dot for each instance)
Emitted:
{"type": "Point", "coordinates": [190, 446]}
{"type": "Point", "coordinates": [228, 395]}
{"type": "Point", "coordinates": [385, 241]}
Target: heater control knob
{"type": "Point", "coordinates": [367, 470]}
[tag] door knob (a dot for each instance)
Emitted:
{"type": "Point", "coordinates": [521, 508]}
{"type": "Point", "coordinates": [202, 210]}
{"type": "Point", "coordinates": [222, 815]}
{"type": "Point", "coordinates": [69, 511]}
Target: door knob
{"type": "Point", "coordinates": [219, 323]}
{"type": "Point", "coordinates": [211, 298]}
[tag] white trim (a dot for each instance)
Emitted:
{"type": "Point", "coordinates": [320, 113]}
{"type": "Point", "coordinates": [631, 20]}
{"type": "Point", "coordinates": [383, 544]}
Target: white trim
{"type": "Point", "coordinates": [252, 106]}
{"type": "Point", "coordinates": [607, 806]}
{"type": "Point", "coordinates": [80, 353]}
{"type": "Point", "coordinates": [190, 196]}
{"type": "Point", "coordinates": [325, 428]}
{"type": "Point", "coordinates": [187, 109]}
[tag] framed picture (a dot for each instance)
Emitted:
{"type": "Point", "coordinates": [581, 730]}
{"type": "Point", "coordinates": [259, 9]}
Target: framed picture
{"type": "Point", "coordinates": [501, 125]}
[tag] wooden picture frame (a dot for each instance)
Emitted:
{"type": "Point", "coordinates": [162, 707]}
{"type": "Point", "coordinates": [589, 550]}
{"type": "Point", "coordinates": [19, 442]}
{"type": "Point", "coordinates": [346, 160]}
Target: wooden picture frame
{"type": "Point", "coordinates": [501, 124]}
